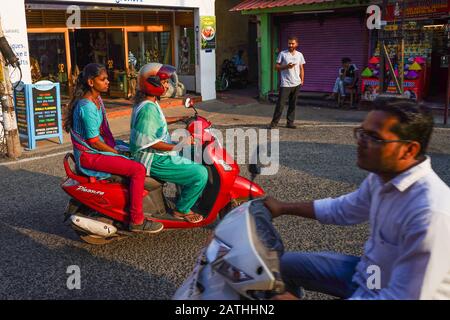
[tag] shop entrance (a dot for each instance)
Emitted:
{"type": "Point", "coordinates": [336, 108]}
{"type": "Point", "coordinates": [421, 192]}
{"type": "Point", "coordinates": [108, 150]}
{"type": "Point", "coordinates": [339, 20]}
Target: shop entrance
{"type": "Point", "coordinates": [438, 68]}
{"type": "Point", "coordinates": [49, 58]}
{"type": "Point", "coordinates": [414, 52]}
{"type": "Point", "coordinates": [104, 46]}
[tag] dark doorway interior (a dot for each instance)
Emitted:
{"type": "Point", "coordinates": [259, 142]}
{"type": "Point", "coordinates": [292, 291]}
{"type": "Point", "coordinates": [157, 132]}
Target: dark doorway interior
{"type": "Point", "coordinates": [104, 47]}
{"type": "Point", "coordinates": [253, 63]}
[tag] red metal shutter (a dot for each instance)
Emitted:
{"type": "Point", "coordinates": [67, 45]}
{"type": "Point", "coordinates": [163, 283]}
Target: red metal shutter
{"type": "Point", "coordinates": [324, 44]}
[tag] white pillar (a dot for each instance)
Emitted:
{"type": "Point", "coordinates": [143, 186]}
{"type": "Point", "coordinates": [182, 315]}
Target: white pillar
{"type": "Point", "coordinates": [15, 28]}
{"type": "Point", "coordinates": [206, 75]}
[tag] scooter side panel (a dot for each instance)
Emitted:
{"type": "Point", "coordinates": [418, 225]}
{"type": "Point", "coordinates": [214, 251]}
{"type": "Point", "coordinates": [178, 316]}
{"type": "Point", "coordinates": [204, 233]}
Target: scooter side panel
{"type": "Point", "coordinates": [107, 198]}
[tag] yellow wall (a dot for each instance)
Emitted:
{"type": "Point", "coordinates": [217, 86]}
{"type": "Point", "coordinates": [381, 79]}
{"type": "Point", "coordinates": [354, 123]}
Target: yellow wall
{"type": "Point", "coordinates": [232, 32]}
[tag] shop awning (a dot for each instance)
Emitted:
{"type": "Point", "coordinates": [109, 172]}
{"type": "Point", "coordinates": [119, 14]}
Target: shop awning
{"type": "Point", "coordinates": [266, 4]}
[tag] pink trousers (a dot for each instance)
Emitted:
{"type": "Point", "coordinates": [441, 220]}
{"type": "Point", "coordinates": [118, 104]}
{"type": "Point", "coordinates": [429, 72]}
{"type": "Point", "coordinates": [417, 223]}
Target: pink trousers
{"type": "Point", "coordinates": [135, 171]}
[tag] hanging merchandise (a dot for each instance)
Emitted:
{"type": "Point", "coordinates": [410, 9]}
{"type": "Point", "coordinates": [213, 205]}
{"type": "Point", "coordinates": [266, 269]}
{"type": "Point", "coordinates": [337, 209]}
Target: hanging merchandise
{"type": "Point", "coordinates": [420, 60]}
{"type": "Point", "coordinates": [408, 46]}
{"type": "Point", "coordinates": [367, 73]}
{"type": "Point", "coordinates": [374, 60]}
{"type": "Point", "coordinates": [412, 75]}
{"type": "Point", "coordinates": [415, 67]}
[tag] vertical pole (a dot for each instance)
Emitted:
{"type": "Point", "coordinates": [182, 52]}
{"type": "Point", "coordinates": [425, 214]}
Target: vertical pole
{"type": "Point", "coordinates": [447, 97]}
{"type": "Point", "coordinates": [14, 149]}
{"type": "Point", "coordinates": [68, 62]}
{"type": "Point", "coordinates": [173, 41]}
{"type": "Point", "coordinates": [402, 53]}
{"type": "Point", "coordinates": [265, 48]}
{"type": "Point", "coordinates": [381, 35]}
{"type": "Point", "coordinates": [125, 48]}
{"type": "Point", "coordinates": [272, 37]}
{"type": "Point", "coordinates": [401, 67]}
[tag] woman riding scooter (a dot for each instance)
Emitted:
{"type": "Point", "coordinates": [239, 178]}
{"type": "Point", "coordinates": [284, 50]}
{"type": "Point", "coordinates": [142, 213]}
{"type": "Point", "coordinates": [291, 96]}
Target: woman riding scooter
{"type": "Point", "coordinates": [151, 145]}
{"type": "Point", "coordinates": [93, 143]}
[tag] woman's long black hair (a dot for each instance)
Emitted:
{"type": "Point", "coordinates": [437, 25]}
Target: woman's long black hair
{"type": "Point", "coordinates": [90, 71]}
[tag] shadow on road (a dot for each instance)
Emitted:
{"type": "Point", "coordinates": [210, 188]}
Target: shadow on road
{"type": "Point", "coordinates": [37, 248]}
{"type": "Point", "coordinates": [34, 267]}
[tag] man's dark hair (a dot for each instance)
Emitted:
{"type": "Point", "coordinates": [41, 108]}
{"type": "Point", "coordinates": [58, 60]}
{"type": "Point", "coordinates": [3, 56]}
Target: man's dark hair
{"type": "Point", "coordinates": [345, 60]}
{"type": "Point", "coordinates": [415, 121]}
{"type": "Point", "coordinates": [293, 38]}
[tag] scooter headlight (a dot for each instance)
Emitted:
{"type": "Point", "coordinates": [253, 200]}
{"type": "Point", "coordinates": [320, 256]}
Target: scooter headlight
{"type": "Point", "coordinates": [214, 255]}
{"type": "Point", "coordinates": [230, 272]}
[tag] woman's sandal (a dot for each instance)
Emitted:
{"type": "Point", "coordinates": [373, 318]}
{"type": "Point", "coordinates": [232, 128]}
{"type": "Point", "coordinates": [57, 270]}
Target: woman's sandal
{"type": "Point", "coordinates": [188, 217]}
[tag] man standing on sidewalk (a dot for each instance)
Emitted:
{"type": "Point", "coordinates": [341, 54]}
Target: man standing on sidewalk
{"type": "Point", "coordinates": [290, 64]}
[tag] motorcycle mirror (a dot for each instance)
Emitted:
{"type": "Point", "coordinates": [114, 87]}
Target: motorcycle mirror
{"type": "Point", "coordinates": [254, 169]}
{"type": "Point", "coordinates": [187, 103]}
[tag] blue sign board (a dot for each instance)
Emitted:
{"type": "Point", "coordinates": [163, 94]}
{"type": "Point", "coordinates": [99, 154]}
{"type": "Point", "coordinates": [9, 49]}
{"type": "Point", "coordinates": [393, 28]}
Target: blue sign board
{"type": "Point", "coordinates": [38, 111]}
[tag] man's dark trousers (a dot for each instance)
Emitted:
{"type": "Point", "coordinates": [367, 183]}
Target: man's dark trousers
{"type": "Point", "coordinates": [285, 94]}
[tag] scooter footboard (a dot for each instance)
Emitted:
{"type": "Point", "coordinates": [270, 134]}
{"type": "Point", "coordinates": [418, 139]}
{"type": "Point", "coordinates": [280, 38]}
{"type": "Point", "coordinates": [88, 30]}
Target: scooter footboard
{"type": "Point", "coordinates": [244, 188]}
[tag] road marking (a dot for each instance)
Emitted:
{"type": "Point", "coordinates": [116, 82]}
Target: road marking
{"type": "Point", "coordinates": [32, 159]}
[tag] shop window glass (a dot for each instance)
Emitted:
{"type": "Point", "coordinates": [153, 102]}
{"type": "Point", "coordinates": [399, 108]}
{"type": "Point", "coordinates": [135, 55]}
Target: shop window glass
{"type": "Point", "coordinates": [186, 51]}
{"type": "Point", "coordinates": [104, 47]}
{"type": "Point", "coordinates": [48, 58]}
{"type": "Point", "coordinates": [146, 47]}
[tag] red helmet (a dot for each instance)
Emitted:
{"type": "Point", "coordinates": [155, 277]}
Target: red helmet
{"type": "Point", "coordinates": [150, 76]}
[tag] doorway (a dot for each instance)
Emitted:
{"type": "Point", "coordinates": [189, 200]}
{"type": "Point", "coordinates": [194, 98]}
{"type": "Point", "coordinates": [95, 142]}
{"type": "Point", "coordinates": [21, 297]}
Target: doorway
{"type": "Point", "coordinates": [438, 68]}
{"type": "Point", "coordinates": [49, 57]}
{"type": "Point", "coordinates": [103, 46]}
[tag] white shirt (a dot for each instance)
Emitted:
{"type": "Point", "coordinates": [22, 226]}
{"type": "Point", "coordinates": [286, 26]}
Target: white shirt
{"type": "Point", "coordinates": [436, 283]}
{"type": "Point", "coordinates": [290, 77]}
{"type": "Point", "coordinates": [401, 236]}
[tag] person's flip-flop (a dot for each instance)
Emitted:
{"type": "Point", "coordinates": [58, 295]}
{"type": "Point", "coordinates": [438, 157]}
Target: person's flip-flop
{"type": "Point", "coordinates": [189, 217]}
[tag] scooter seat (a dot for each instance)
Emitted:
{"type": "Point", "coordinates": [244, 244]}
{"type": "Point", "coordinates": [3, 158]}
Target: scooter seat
{"type": "Point", "coordinates": [150, 183]}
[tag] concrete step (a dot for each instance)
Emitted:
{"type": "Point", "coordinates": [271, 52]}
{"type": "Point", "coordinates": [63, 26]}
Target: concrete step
{"type": "Point", "coordinates": [315, 99]}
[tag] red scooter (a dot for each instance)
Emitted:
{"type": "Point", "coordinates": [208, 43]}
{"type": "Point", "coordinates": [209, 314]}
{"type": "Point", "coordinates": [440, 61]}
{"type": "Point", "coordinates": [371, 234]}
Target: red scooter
{"type": "Point", "coordinates": [98, 211]}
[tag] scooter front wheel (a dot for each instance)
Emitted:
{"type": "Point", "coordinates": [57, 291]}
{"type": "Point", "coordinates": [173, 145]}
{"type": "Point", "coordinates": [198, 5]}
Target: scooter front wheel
{"type": "Point", "coordinates": [232, 205]}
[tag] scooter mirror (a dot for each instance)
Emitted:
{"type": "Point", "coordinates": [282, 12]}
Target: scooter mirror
{"type": "Point", "coordinates": [254, 169]}
{"type": "Point", "coordinates": [187, 103]}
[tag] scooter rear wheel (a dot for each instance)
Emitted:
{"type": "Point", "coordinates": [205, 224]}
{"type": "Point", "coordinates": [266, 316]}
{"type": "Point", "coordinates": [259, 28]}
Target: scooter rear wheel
{"type": "Point", "coordinates": [97, 240]}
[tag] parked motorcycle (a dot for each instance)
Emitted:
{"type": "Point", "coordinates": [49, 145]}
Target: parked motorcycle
{"type": "Point", "coordinates": [230, 76]}
{"type": "Point", "coordinates": [98, 213]}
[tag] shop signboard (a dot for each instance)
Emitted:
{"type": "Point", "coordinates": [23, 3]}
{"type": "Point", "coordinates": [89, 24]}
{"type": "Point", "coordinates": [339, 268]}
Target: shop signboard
{"type": "Point", "coordinates": [208, 32]}
{"type": "Point", "coordinates": [38, 111]}
{"type": "Point", "coordinates": [417, 9]}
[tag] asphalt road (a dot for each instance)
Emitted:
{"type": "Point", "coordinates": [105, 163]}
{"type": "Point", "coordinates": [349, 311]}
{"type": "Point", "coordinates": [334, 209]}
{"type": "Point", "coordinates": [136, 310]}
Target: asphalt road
{"type": "Point", "coordinates": [316, 161]}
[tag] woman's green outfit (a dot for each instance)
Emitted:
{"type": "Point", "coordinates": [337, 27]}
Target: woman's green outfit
{"type": "Point", "coordinates": [148, 127]}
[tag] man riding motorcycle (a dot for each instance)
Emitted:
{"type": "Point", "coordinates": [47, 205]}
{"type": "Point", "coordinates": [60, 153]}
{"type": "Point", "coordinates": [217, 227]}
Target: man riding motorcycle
{"type": "Point", "coordinates": [399, 199]}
